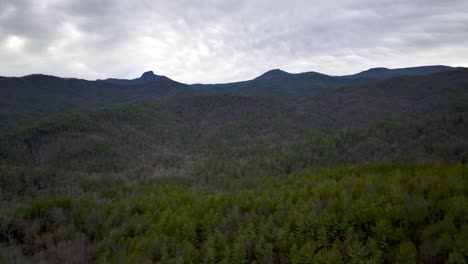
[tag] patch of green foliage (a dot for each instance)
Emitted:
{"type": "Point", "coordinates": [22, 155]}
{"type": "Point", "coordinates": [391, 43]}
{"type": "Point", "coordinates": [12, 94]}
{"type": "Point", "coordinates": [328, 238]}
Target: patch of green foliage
{"type": "Point", "coordinates": [359, 214]}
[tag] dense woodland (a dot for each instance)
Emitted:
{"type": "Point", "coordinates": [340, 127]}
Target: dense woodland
{"type": "Point", "coordinates": [363, 214]}
{"type": "Point", "coordinates": [304, 168]}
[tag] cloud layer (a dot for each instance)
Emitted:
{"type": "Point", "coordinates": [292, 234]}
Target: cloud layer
{"type": "Point", "coordinates": [227, 40]}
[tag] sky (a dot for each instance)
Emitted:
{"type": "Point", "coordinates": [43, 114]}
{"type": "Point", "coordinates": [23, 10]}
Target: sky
{"type": "Point", "coordinates": [213, 41]}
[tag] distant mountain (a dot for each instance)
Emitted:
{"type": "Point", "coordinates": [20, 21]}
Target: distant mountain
{"type": "Point", "coordinates": [280, 83]}
{"type": "Point", "coordinates": [38, 95]}
{"type": "Point", "coordinates": [274, 75]}
{"type": "Point", "coordinates": [147, 77]}
{"type": "Point", "coordinates": [385, 73]}
{"type": "Point", "coordinates": [403, 119]}
{"type": "Point", "coordinates": [405, 98]}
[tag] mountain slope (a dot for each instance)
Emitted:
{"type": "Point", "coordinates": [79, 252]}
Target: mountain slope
{"type": "Point", "coordinates": [146, 77]}
{"type": "Point", "coordinates": [401, 98]}
{"type": "Point", "coordinates": [385, 73]}
{"type": "Point", "coordinates": [280, 83]}
{"type": "Point", "coordinates": [38, 95]}
{"type": "Point", "coordinates": [214, 135]}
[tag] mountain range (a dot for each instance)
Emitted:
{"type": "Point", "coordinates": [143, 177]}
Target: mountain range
{"type": "Point", "coordinates": [63, 118]}
{"type": "Point", "coordinates": [22, 98]}
{"type": "Point", "coordinates": [278, 82]}
{"type": "Point", "coordinates": [304, 167]}
{"type": "Point", "coordinates": [146, 77]}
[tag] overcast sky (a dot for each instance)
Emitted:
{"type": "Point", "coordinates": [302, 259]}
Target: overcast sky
{"type": "Point", "coordinates": [227, 40]}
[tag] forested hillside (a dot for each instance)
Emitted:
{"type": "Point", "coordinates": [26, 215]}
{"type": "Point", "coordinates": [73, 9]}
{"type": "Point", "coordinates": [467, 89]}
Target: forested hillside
{"type": "Point", "coordinates": [26, 98]}
{"type": "Point", "coordinates": [33, 96]}
{"type": "Point", "coordinates": [371, 170]}
{"type": "Point", "coordinates": [280, 83]}
{"type": "Point", "coordinates": [364, 214]}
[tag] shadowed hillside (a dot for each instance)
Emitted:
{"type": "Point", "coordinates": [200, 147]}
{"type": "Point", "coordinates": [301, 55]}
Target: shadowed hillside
{"type": "Point", "coordinates": [280, 83]}
{"type": "Point", "coordinates": [25, 98]}
{"type": "Point", "coordinates": [403, 119]}
{"type": "Point", "coordinates": [33, 96]}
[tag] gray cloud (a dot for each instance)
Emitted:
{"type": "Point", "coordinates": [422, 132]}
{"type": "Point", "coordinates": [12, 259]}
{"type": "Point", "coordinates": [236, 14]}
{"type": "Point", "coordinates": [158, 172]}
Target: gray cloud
{"type": "Point", "coordinates": [227, 40]}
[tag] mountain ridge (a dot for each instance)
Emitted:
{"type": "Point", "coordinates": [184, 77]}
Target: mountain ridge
{"type": "Point", "coordinates": [146, 78]}
{"type": "Point", "coordinates": [37, 95]}
{"type": "Point", "coordinates": [149, 75]}
{"type": "Point", "coordinates": [281, 83]}
{"type": "Point", "coordinates": [32, 96]}
{"type": "Point", "coordinates": [382, 72]}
